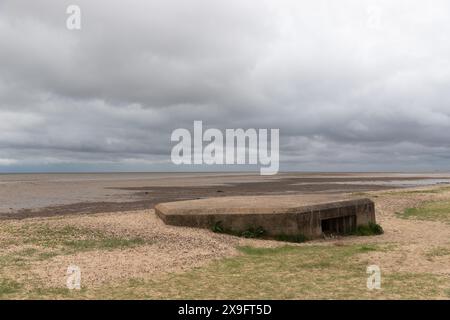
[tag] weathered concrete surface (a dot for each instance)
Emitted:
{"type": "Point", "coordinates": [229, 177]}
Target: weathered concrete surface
{"type": "Point", "coordinates": [277, 215]}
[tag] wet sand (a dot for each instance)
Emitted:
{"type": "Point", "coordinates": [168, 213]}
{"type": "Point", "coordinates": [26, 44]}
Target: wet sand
{"type": "Point", "coordinates": [44, 195]}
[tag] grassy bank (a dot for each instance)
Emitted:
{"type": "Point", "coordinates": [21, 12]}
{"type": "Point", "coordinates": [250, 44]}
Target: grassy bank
{"type": "Point", "coordinates": [433, 211]}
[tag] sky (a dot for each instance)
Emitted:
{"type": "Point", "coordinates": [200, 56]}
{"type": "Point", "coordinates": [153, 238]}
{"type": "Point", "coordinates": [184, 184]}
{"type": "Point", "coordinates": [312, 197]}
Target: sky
{"type": "Point", "coordinates": [352, 85]}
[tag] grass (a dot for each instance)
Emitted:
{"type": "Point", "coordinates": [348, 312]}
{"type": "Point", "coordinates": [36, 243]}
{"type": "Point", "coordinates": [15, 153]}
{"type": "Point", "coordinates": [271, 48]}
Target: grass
{"type": "Point", "coordinates": [370, 229]}
{"type": "Point", "coordinates": [438, 252]}
{"type": "Point", "coordinates": [8, 286]}
{"type": "Point", "coordinates": [257, 232]}
{"type": "Point", "coordinates": [250, 232]}
{"type": "Point", "coordinates": [298, 238]}
{"type": "Point", "coordinates": [18, 257]}
{"type": "Point", "coordinates": [286, 272]}
{"type": "Point", "coordinates": [24, 244]}
{"type": "Point", "coordinates": [41, 242]}
{"type": "Point", "coordinates": [438, 190]}
{"type": "Point", "coordinates": [432, 211]}
{"type": "Point", "coordinates": [70, 239]}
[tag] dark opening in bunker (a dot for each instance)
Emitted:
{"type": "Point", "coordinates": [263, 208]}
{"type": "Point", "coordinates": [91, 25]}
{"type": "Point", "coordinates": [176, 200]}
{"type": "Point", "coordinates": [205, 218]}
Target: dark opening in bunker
{"type": "Point", "coordinates": [339, 225]}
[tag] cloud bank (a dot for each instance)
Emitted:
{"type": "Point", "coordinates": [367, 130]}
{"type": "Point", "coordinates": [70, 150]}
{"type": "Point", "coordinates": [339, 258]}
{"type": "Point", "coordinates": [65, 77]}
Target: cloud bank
{"type": "Point", "coordinates": [354, 85]}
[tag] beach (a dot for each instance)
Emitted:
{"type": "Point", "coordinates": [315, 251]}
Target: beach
{"type": "Point", "coordinates": [39, 195]}
{"type": "Point", "coordinates": [105, 225]}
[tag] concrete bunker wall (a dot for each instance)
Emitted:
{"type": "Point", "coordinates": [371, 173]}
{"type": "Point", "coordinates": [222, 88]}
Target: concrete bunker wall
{"type": "Point", "coordinates": [311, 221]}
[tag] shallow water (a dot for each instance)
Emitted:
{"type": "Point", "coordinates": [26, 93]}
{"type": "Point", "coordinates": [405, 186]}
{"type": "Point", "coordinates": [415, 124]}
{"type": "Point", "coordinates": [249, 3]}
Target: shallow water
{"type": "Point", "coordinates": [36, 191]}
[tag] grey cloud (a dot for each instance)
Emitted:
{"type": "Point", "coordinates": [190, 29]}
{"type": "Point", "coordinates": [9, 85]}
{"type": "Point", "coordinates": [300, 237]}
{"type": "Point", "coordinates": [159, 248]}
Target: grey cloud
{"type": "Point", "coordinates": [354, 85]}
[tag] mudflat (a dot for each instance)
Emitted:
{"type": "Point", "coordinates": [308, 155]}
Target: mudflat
{"type": "Point", "coordinates": [44, 195]}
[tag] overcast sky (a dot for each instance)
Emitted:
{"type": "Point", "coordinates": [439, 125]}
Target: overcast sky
{"type": "Point", "coordinates": [352, 85]}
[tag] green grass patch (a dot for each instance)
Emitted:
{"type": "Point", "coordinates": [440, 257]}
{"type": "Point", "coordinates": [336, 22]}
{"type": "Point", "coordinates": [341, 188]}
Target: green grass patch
{"type": "Point", "coordinates": [38, 242]}
{"type": "Point", "coordinates": [256, 251]}
{"type": "Point", "coordinates": [32, 242]}
{"type": "Point", "coordinates": [368, 248]}
{"type": "Point", "coordinates": [8, 286]}
{"type": "Point", "coordinates": [70, 239]}
{"type": "Point", "coordinates": [447, 292]}
{"type": "Point", "coordinates": [107, 243]}
{"type": "Point", "coordinates": [424, 191]}
{"type": "Point", "coordinates": [250, 232]}
{"type": "Point", "coordinates": [218, 227]}
{"type": "Point", "coordinates": [370, 229]}
{"type": "Point", "coordinates": [258, 232]}
{"type": "Point", "coordinates": [438, 252]}
{"type": "Point", "coordinates": [432, 211]}
{"type": "Point", "coordinates": [297, 238]}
